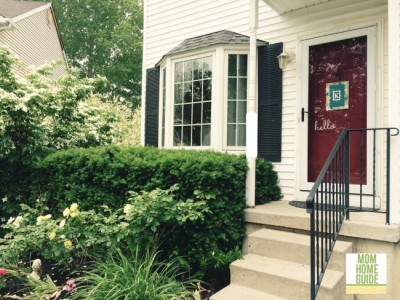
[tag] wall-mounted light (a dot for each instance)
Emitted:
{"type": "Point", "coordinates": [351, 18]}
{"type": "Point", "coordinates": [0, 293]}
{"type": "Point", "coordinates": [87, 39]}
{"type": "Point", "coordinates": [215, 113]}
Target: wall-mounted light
{"type": "Point", "coordinates": [284, 58]}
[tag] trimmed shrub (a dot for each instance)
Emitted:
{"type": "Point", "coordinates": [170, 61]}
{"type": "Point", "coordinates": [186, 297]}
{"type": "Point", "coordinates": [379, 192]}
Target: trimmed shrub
{"type": "Point", "coordinates": [105, 176]}
{"type": "Point", "coordinates": [267, 188]}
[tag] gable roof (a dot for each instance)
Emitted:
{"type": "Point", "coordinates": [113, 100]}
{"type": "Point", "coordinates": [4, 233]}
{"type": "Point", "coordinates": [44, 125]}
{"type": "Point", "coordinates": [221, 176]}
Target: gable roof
{"type": "Point", "coordinates": [223, 37]}
{"type": "Point", "coordinates": [14, 8]}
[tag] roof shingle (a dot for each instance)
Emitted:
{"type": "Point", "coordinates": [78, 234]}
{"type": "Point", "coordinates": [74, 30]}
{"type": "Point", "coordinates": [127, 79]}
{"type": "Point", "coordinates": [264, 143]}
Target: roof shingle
{"type": "Point", "coordinates": [13, 8]}
{"type": "Point", "coordinates": [223, 37]}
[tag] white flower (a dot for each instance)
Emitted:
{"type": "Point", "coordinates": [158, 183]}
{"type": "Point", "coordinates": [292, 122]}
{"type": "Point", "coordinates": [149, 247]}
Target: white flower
{"type": "Point", "coordinates": [128, 209]}
{"type": "Point", "coordinates": [10, 220]}
{"type": "Point", "coordinates": [39, 220]}
{"type": "Point", "coordinates": [18, 219]}
{"type": "Point", "coordinates": [4, 199]}
{"type": "Point", "coordinates": [62, 223]}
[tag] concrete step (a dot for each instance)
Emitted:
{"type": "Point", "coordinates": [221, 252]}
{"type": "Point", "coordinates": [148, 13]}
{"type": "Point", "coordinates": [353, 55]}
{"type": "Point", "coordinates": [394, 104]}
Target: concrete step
{"type": "Point", "coordinates": [293, 247]}
{"type": "Point", "coordinates": [238, 292]}
{"type": "Point", "coordinates": [287, 279]}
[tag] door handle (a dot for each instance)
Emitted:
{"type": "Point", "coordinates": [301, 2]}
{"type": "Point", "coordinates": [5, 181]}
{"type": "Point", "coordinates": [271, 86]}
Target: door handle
{"type": "Point", "coordinates": [302, 113]}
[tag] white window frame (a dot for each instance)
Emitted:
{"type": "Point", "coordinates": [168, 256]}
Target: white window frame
{"type": "Point", "coordinates": [219, 102]}
{"type": "Point", "coordinates": [225, 108]}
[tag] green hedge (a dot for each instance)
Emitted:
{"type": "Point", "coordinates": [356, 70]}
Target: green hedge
{"type": "Point", "coordinates": [104, 176]}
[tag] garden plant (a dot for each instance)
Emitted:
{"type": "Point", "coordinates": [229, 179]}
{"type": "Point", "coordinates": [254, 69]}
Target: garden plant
{"type": "Point", "coordinates": [108, 220]}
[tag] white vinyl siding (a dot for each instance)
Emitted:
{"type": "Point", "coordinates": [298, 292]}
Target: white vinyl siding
{"type": "Point", "coordinates": [168, 23]}
{"type": "Point", "coordinates": [35, 41]}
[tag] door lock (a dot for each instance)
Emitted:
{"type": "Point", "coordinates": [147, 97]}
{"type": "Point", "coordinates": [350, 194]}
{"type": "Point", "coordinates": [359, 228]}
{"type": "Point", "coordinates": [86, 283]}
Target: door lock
{"type": "Point", "coordinates": [302, 113]}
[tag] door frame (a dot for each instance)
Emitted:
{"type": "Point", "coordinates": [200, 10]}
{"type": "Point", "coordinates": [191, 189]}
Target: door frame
{"type": "Point", "coordinates": [372, 66]}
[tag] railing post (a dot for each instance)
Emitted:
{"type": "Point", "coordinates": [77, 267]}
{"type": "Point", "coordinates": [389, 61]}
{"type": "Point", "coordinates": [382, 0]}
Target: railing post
{"type": "Point", "coordinates": [311, 211]}
{"type": "Point", "coordinates": [347, 174]}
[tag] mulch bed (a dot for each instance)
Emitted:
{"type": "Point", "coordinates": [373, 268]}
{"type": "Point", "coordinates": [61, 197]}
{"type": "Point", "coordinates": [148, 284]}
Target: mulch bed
{"type": "Point", "coordinates": [14, 288]}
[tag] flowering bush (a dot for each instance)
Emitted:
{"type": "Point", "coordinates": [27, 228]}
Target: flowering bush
{"type": "Point", "coordinates": [77, 235]}
{"type": "Point", "coordinates": [3, 273]}
{"type": "Point", "coordinates": [38, 112]}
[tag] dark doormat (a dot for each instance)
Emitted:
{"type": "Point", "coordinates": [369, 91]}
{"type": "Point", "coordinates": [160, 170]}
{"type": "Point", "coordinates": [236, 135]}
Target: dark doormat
{"type": "Point", "coordinates": [302, 204]}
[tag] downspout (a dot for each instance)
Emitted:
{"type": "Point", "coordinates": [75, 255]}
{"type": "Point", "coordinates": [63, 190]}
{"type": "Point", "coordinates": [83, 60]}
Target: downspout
{"type": "Point", "coordinates": [394, 106]}
{"type": "Point", "coordinates": [251, 115]}
{"type": "Point", "coordinates": [144, 66]}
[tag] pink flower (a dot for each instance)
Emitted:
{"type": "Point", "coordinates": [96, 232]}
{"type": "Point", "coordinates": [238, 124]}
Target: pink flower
{"type": "Point", "coordinates": [3, 272]}
{"type": "Point", "coordinates": [70, 285]}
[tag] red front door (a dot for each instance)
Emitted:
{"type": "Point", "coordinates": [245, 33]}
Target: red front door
{"type": "Point", "coordinates": [337, 100]}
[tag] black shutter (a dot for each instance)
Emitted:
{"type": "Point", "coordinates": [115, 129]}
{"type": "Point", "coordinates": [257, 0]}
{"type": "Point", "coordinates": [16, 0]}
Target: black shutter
{"type": "Point", "coordinates": [152, 104]}
{"type": "Point", "coordinates": [269, 102]}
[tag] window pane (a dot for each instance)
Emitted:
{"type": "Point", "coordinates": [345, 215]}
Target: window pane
{"type": "Point", "coordinates": [206, 135]}
{"type": "Point", "coordinates": [192, 102]}
{"type": "Point", "coordinates": [207, 90]}
{"type": "Point", "coordinates": [178, 93]}
{"type": "Point", "coordinates": [242, 108]}
{"type": "Point", "coordinates": [242, 89]}
{"type": "Point", "coordinates": [241, 135]}
{"type": "Point", "coordinates": [197, 90]}
{"type": "Point", "coordinates": [187, 92]}
{"type": "Point", "coordinates": [197, 113]}
{"type": "Point", "coordinates": [177, 135]}
{"type": "Point", "coordinates": [242, 65]}
{"type": "Point", "coordinates": [186, 138]}
{"type": "Point", "coordinates": [237, 100]}
{"type": "Point", "coordinates": [207, 70]}
{"type": "Point", "coordinates": [187, 114]}
{"type": "Point", "coordinates": [232, 88]}
{"type": "Point", "coordinates": [196, 135]}
{"type": "Point", "coordinates": [207, 112]}
{"type": "Point", "coordinates": [197, 69]}
{"type": "Point", "coordinates": [231, 135]}
{"type": "Point", "coordinates": [178, 114]}
{"type": "Point", "coordinates": [232, 65]}
{"type": "Point", "coordinates": [188, 70]}
{"type": "Point", "coordinates": [179, 72]}
{"type": "Point", "coordinates": [231, 111]}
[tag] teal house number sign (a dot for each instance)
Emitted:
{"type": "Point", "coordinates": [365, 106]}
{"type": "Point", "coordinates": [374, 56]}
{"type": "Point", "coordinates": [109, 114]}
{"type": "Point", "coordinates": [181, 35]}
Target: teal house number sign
{"type": "Point", "coordinates": [337, 95]}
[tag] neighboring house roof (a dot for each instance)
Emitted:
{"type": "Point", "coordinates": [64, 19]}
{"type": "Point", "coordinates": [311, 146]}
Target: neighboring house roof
{"type": "Point", "coordinates": [12, 8]}
{"type": "Point", "coordinates": [30, 30]}
{"type": "Point", "coordinates": [223, 37]}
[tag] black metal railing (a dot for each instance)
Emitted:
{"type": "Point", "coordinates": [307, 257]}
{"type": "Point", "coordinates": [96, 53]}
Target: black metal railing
{"type": "Point", "coordinates": [329, 199]}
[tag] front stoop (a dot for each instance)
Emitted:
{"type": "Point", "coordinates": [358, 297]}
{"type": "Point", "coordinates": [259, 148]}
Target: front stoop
{"type": "Point", "coordinates": [277, 267]}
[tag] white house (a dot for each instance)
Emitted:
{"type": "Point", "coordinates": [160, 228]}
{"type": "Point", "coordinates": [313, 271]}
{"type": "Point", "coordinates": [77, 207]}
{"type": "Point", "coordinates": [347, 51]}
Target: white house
{"type": "Point", "coordinates": [213, 82]}
{"type": "Point", "coordinates": [30, 30]}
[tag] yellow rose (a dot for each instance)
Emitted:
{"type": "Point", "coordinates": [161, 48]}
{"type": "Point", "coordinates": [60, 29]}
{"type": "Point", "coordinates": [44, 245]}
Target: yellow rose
{"type": "Point", "coordinates": [39, 220]}
{"type": "Point", "coordinates": [67, 244]}
{"type": "Point", "coordinates": [74, 207]}
{"type": "Point", "coordinates": [74, 214]}
{"type": "Point", "coordinates": [52, 235]}
{"type": "Point", "coordinates": [66, 212]}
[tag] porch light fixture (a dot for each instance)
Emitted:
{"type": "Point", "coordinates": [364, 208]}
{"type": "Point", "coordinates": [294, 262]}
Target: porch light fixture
{"type": "Point", "coordinates": [284, 58]}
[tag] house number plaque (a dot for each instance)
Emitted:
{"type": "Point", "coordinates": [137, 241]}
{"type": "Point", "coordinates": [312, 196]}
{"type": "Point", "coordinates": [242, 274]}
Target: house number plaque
{"type": "Point", "coordinates": [337, 95]}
